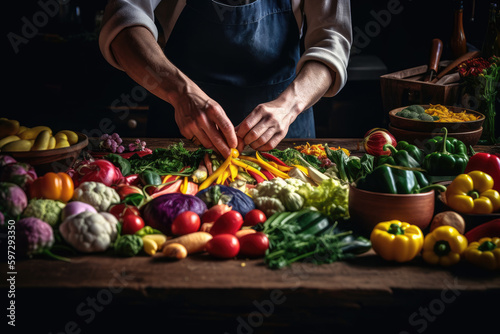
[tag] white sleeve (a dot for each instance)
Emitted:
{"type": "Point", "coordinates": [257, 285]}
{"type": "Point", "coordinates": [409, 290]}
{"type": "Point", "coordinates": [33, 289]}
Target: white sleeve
{"type": "Point", "coordinates": [120, 14]}
{"type": "Point", "coordinates": [328, 38]}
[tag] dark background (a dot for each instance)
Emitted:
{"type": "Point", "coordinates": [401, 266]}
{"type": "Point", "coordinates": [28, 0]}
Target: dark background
{"type": "Point", "coordinates": [60, 79]}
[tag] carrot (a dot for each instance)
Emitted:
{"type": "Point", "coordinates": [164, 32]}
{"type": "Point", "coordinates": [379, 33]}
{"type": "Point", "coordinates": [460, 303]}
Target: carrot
{"type": "Point", "coordinates": [208, 164]}
{"type": "Point", "coordinates": [193, 242]}
{"type": "Point", "coordinates": [175, 251]}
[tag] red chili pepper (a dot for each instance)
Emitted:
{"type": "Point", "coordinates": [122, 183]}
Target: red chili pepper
{"type": "Point", "coordinates": [271, 157]}
{"type": "Point", "coordinates": [256, 176]}
{"type": "Point", "coordinates": [268, 174]}
{"type": "Point", "coordinates": [487, 163]}
{"type": "Point", "coordinates": [486, 230]}
{"type": "Point", "coordinates": [131, 180]}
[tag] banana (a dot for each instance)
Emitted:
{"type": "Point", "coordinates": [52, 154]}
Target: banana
{"type": "Point", "coordinates": [8, 127]}
{"type": "Point", "coordinates": [52, 142]}
{"type": "Point", "coordinates": [32, 133]}
{"type": "Point", "coordinates": [62, 143]}
{"type": "Point", "coordinates": [71, 136]}
{"type": "Point", "coordinates": [21, 145]}
{"type": "Point", "coordinates": [7, 140]}
{"type": "Point", "coordinates": [42, 141]}
{"type": "Point", "coordinates": [21, 129]}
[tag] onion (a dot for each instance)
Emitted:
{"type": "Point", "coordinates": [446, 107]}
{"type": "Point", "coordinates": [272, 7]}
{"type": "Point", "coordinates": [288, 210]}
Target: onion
{"type": "Point", "coordinates": [100, 170]}
{"type": "Point", "coordinates": [375, 139]}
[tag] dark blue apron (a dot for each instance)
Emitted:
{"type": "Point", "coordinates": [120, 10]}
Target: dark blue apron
{"type": "Point", "coordinates": [240, 56]}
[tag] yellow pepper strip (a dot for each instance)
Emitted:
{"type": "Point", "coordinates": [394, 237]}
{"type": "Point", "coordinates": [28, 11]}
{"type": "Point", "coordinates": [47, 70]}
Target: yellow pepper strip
{"type": "Point", "coordinates": [473, 193]}
{"type": "Point", "coordinates": [265, 165]}
{"type": "Point", "coordinates": [184, 185]}
{"type": "Point", "coordinates": [215, 175]}
{"type": "Point", "coordinates": [166, 177]}
{"type": "Point", "coordinates": [484, 253]}
{"type": "Point", "coordinates": [302, 168]}
{"type": "Point", "coordinates": [243, 165]}
{"type": "Point", "coordinates": [397, 241]}
{"type": "Point", "coordinates": [233, 169]}
{"type": "Point", "coordinates": [444, 246]}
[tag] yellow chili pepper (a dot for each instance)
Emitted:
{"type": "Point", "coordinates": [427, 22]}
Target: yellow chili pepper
{"type": "Point", "coordinates": [265, 165]}
{"type": "Point", "coordinates": [184, 185]}
{"type": "Point", "coordinates": [397, 241]}
{"type": "Point", "coordinates": [484, 253]}
{"type": "Point", "coordinates": [444, 246]}
{"type": "Point", "coordinates": [215, 175]}
{"type": "Point", "coordinates": [233, 171]}
{"type": "Point", "coordinates": [243, 165]}
{"type": "Point", "coordinates": [302, 168]}
{"type": "Point", "coordinates": [473, 193]}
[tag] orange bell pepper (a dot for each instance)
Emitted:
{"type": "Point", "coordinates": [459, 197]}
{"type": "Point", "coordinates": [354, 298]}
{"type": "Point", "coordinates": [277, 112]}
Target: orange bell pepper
{"type": "Point", "coordinates": [56, 186]}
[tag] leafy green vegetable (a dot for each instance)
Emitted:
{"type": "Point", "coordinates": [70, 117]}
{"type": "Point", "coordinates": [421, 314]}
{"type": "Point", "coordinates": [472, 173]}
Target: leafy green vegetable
{"type": "Point", "coordinates": [169, 160]}
{"type": "Point", "coordinates": [331, 198]}
{"type": "Point", "coordinates": [350, 168]}
{"type": "Point", "coordinates": [302, 236]}
{"type": "Point", "coordinates": [291, 156]}
{"type": "Point", "coordinates": [119, 162]}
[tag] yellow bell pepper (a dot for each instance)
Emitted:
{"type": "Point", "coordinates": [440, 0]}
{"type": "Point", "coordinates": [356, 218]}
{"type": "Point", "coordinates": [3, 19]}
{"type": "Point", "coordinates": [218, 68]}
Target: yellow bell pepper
{"type": "Point", "coordinates": [444, 246]}
{"type": "Point", "coordinates": [397, 241]}
{"type": "Point", "coordinates": [473, 193]}
{"type": "Point", "coordinates": [484, 253]}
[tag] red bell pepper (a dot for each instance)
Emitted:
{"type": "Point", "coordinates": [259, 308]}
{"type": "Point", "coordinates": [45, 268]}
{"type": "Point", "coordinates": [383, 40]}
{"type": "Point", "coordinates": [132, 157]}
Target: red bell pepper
{"type": "Point", "coordinates": [271, 157]}
{"type": "Point", "coordinates": [256, 176]}
{"type": "Point", "coordinates": [487, 163]}
{"type": "Point", "coordinates": [486, 230]}
{"type": "Point", "coordinates": [268, 174]}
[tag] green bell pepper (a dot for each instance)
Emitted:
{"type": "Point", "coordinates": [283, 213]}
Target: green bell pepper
{"type": "Point", "coordinates": [396, 180]}
{"type": "Point", "coordinates": [445, 156]}
{"type": "Point", "coordinates": [401, 157]}
{"type": "Point", "coordinates": [415, 152]}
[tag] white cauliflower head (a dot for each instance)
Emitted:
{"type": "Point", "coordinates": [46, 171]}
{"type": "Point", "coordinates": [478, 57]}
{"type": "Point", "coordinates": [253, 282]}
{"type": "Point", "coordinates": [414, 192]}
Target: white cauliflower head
{"type": "Point", "coordinates": [90, 232]}
{"type": "Point", "coordinates": [97, 194]}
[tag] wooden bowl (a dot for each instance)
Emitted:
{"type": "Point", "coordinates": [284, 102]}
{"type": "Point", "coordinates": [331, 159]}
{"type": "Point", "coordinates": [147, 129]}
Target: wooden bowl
{"type": "Point", "coordinates": [367, 208]}
{"type": "Point", "coordinates": [425, 126]}
{"type": "Point", "coordinates": [55, 160]}
{"type": "Point", "coordinates": [418, 138]}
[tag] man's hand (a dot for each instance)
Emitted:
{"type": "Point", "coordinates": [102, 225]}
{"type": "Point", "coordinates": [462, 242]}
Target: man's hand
{"type": "Point", "coordinates": [199, 117]}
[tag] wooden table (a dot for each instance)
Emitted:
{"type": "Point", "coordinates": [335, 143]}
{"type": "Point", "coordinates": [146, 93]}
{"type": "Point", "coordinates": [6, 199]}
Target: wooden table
{"type": "Point", "coordinates": [103, 293]}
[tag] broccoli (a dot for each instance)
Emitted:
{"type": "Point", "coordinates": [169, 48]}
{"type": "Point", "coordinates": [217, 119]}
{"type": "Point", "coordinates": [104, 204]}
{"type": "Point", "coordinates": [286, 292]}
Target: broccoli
{"type": "Point", "coordinates": [425, 117]}
{"type": "Point", "coordinates": [47, 210]}
{"type": "Point", "coordinates": [128, 245]}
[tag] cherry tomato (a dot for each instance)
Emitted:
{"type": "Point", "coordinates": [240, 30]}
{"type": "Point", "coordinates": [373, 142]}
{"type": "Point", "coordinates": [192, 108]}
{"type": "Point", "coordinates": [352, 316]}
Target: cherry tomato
{"type": "Point", "coordinates": [121, 210]}
{"type": "Point", "coordinates": [131, 224]}
{"type": "Point", "coordinates": [254, 217]}
{"type": "Point", "coordinates": [254, 244]}
{"type": "Point", "coordinates": [186, 222]}
{"type": "Point", "coordinates": [223, 246]}
{"type": "Point", "coordinates": [229, 223]}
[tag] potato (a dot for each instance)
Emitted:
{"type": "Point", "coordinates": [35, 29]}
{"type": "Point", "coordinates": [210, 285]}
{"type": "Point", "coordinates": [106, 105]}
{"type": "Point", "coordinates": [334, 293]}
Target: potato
{"type": "Point", "coordinates": [448, 218]}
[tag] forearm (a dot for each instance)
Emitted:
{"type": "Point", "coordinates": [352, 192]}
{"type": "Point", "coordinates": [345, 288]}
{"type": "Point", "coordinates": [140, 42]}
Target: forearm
{"type": "Point", "coordinates": [140, 56]}
{"type": "Point", "coordinates": [311, 83]}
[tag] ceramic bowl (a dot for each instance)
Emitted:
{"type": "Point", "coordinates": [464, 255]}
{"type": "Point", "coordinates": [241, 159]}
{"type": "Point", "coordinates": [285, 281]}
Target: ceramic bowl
{"type": "Point", "coordinates": [418, 138]}
{"type": "Point", "coordinates": [367, 208]}
{"type": "Point", "coordinates": [428, 127]}
{"type": "Point", "coordinates": [55, 160]}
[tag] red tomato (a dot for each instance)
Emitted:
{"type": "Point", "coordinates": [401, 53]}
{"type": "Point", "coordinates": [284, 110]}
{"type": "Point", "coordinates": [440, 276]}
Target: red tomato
{"type": "Point", "coordinates": [121, 210]}
{"type": "Point", "coordinates": [254, 217]}
{"type": "Point", "coordinates": [229, 223]}
{"type": "Point", "coordinates": [254, 244]}
{"type": "Point", "coordinates": [131, 224]}
{"type": "Point", "coordinates": [223, 246]}
{"type": "Point", "coordinates": [186, 222]}
{"type": "Point", "coordinates": [214, 212]}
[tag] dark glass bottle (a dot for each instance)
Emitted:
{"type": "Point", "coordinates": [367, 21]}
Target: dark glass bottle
{"type": "Point", "coordinates": [490, 40]}
{"type": "Point", "coordinates": [458, 41]}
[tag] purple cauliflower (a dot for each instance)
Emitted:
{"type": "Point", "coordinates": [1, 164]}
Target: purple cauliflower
{"type": "Point", "coordinates": [20, 173]}
{"type": "Point", "coordinates": [33, 236]}
{"type": "Point", "coordinates": [13, 200]}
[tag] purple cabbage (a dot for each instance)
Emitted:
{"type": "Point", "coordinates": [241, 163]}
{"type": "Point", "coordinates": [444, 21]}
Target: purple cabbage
{"type": "Point", "coordinates": [160, 212]}
{"type": "Point", "coordinates": [20, 173]}
{"type": "Point", "coordinates": [13, 200]}
{"type": "Point", "coordinates": [33, 236]}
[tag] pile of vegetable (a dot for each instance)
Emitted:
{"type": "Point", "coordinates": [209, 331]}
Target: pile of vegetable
{"type": "Point", "coordinates": [435, 113]}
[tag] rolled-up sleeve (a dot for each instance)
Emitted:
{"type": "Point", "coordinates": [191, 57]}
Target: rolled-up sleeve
{"type": "Point", "coordinates": [120, 14]}
{"type": "Point", "coordinates": [328, 38]}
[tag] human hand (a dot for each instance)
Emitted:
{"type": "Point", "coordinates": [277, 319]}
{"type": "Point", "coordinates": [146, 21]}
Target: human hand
{"type": "Point", "coordinates": [201, 119]}
{"type": "Point", "coordinates": [265, 127]}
